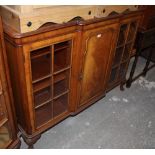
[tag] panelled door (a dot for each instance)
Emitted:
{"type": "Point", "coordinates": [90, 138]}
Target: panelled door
{"type": "Point", "coordinates": [97, 50]}
{"type": "Point", "coordinates": [5, 126]}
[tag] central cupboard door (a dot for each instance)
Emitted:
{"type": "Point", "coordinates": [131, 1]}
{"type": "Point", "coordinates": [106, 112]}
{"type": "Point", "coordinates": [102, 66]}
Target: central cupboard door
{"type": "Point", "coordinates": [97, 53]}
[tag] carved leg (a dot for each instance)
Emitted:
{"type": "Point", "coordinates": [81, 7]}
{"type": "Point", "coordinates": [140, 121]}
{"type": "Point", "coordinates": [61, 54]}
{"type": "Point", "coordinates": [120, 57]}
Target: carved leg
{"type": "Point", "coordinates": [147, 62]}
{"type": "Point", "coordinates": [30, 141]}
{"type": "Point", "coordinates": [30, 147]}
{"type": "Point", "coordinates": [129, 81]}
{"type": "Point", "coordinates": [122, 86]}
{"type": "Point", "coordinates": [138, 51]}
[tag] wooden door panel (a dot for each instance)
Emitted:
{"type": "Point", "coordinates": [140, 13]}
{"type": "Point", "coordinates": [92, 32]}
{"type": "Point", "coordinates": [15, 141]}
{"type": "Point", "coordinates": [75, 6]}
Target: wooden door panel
{"type": "Point", "coordinates": [96, 56]}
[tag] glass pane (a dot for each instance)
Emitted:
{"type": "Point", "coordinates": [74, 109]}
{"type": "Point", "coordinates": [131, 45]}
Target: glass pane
{"type": "Point", "coordinates": [127, 51]}
{"type": "Point", "coordinates": [60, 105]}
{"type": "Point", "coordinates": [5, 137]}
{"type": "Point", "coordinates": [61, 83]}
{"type": "Point", "coordinates": [43, 114]}
{"type": "Point", "coordinates": [113, 74]}
{"type": "Point", "coordinates": [122, 35]}
{"type": "Point", "coordinates": [42, 96]}
{"type": "Point", "coordinates": [118, 56]}
{"type": "Point", "coordinates": [132, 31]}
{"type": "Point", "coordinates": [40, 63]}
{"type": "Point", "coordinates": [42, 84]}
{"type": "Point", "coordinates": [61, 45]}
{"type": "Point", "coordinates": [62, 54]}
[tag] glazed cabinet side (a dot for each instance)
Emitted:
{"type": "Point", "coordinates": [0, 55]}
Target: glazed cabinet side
{"type": "Point", "coordinates": [6, 135]}
{"type": "Point", "coordinates": [8, 124]}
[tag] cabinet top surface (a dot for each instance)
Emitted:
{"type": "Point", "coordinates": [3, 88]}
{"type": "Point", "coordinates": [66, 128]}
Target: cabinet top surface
{"type": "Point", "coordinates": [75, 23]}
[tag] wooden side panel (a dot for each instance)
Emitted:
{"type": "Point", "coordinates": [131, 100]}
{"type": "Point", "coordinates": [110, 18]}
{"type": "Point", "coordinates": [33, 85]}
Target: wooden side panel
{"type": "Point", "coordinates": [16, 61]}
{"type": "Point", "coordinates": [3, 86]}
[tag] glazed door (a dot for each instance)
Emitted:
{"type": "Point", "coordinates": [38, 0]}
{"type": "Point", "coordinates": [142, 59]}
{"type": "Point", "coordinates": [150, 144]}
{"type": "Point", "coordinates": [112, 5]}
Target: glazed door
{"type": "Point", "coordinates": [123, 51]}
{"type": "Point", "coordinates": [5, 136]}
{"type": "Point", "coordinates": [96, 54]}
{"type": "Point", "coordinates": [8, 132]}
{"type": "Point", "coordinates": [50, 67]}
{"type": "Point", "coordinates": [49, 64]}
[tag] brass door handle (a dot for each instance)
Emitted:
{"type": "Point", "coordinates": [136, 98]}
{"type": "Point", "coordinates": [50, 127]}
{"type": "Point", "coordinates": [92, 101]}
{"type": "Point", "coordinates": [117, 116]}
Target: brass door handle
{"type": "Point", "coordinates": [99, 35]}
